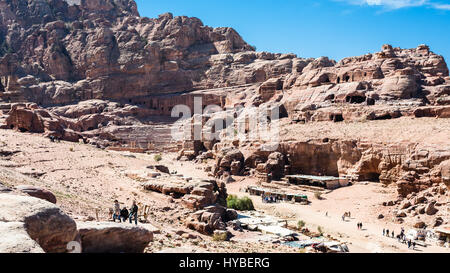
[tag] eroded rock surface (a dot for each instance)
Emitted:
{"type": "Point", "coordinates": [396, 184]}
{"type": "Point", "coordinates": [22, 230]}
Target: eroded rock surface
{"type": "Point", "coordinates": [113, 237]}
{"type": "Point", "coordinates": [37, 192]}
{"type": "Point", "coordinates": [42, 221]}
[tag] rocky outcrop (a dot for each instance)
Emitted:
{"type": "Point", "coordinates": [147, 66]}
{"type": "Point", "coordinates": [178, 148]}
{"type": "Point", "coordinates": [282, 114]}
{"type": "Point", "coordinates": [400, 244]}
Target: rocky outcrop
{"type": "Point", "coordinates": [211, 218]}
{"type": "Point", "coordinates": [113, 238]}
{"type": "Point", "coordinates": [38, 193]}
{"type": "Point", "coordinates": [103, 49]}
{"type": "Point", "coordinates": [230, 161]}
{"type": "Point", "coordinates": [195, 194]}
{"type": "Point", "coordinates": [368, 84]}
{"type": "Point", "coordinates": [31, 118]}
{"type": "Point", "coordinates": [16, 240]}
{"type": "Point", "coordinates": [40, 220]}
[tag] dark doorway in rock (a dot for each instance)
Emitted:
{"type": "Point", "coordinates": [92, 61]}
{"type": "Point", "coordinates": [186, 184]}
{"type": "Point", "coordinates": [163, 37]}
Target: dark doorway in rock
{"type": "Point", "coordinates": [373, 177]}
{"type": "Point", "coordinates": [370, 101]}
{"type": "Point", "coordinates": [339, 80]}
{"type": "Point", "coordinates": [347, 78]}
{"type": "Point", "coordinates": [330, 97]}
{"type": "Point", "coordinates": [324, 79]}
{"type": "Point", "coordinates": [337, 118]}
{"type": "Point", "coordinates": [283, 112]}
{"type": "Point", "coordinates": [355, 99]}
{"type": "Point", "coordinates": [2, 88]}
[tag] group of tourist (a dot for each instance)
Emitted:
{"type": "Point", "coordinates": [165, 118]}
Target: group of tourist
{"type": "Point", "coordinates": [346, 214]}
{"type": "Point", "coordinates": [124, 214]}
{"type": "Point", "coordinates": [387, 234]}
{"type": "Point", "coordinates": [54, 138]}
{"type": "Point", "coordinates": [269, 199]}
{"type": "Point", "coordinates": [400, 237]}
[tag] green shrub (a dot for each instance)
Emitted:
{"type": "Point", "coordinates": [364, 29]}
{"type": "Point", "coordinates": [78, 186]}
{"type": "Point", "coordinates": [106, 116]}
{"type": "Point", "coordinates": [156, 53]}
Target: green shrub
{"type": "Point", "coordinates": [301, 224]}
{"type": "Point", "coordinates": [220, 237]}
{"type": "Point", "coordinates": [320, 230]}
{"type": "Point", "coordinates": [157, 158]}
{"type": "Point", "coordinates": [236, 203]}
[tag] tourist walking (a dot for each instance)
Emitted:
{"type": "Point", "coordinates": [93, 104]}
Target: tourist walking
{"type": "Point", "coordinates": [134, 213]}
{"type": "Point", "coordinates": [116, 214]}
{"type": "Point", "coordinates": [414, 245]}
{"type": "Point", "coordinates": [384, 232]}
{"type": "Point", "coordinates": [393, 234]}
{"type": "Point", "coordinates": [387, 232]}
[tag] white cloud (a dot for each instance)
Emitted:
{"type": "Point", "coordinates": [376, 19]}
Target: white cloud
{"type": "Point", "coordinates": [398, 4]}
{"type": "Point", "coordinates": [442, 6]}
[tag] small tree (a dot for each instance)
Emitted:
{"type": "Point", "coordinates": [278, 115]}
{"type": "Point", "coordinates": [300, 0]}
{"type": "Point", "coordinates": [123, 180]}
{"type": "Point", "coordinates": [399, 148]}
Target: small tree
{"type": "Point", "coordinates": [157, 158]}
{"type": "Point", "coordinates": [320, 230]}
{"type": "Point", "coordinates": [301, 224]}
{"type": "Point", "coordinates": [245, 203]}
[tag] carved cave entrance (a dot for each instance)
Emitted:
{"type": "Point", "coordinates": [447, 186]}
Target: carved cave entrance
{"type": "Point", "coordinates": [372, 177]}
{"type": "Point", "coordinates": [355, 99]}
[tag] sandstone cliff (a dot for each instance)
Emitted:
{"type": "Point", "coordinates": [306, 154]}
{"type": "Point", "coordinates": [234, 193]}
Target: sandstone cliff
{"type": "Point", "coordinates": [60, 52]}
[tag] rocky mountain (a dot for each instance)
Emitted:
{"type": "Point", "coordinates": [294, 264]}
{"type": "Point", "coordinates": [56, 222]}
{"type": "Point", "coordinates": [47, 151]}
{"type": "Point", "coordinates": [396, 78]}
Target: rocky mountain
{"type": "Point", "coordinates": [59, 52]}
{"type": "Point", "coordinates": [96, 71]}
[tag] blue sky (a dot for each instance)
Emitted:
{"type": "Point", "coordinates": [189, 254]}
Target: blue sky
{"type": "Point", "coordinates": [333, 28]}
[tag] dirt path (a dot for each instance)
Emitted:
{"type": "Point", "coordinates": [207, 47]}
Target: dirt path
{"type": "Point", "coordinates": [364, 209]}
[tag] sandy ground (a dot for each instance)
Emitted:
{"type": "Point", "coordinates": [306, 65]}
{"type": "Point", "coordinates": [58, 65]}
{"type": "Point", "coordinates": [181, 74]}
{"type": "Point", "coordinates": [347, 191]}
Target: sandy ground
{"type": "Point", "coordinates": [362, 200]}
{"type": "Point", "coordinates": [85, 178]}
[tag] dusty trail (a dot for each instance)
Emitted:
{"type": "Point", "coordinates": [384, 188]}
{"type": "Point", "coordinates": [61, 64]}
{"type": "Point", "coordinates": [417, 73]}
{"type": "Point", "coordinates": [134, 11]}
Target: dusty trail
{"type": "Point", "coordinates": [368, 240]}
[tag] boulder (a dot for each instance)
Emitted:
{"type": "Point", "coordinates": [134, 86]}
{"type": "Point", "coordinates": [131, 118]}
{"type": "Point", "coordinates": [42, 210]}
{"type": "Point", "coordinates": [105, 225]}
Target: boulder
{"type": "Point", "coordinates": [421, 210]}
{"type": "Point", "coordinates": [162, 169]}
{"type": "Point", "coordinates": [405, 205]}
{"type": "Point", "coordinates": [438, 221]}
{"type": "Point", "coordinates": [37, 192]}
{"type": "Point", "coordinates": [229, 160]}
{"type": "Point", "coordinates": [15, 239]}
{"type": "Point", "coordinates": [430, 209]}
{"type": "Point", "coordinates": [231, 215]}
{"type": "Point", "coordinates": [44, 222]}
{"type": "Point", "coordinates": [420, 224]}
{"type": "Point", "coordinates": [209, 219]}
{"type": "Point", "coordinates": [401, 214]}
{"type": "Point", "coordinates": [113, 237]}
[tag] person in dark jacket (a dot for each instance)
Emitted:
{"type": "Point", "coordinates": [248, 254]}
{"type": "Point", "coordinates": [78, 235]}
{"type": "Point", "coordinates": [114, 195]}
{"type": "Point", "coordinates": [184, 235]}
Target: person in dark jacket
{"type": "Point", "coordinates": [134, 213]}
{"type": "Point", "coordinates": [124, 214]}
